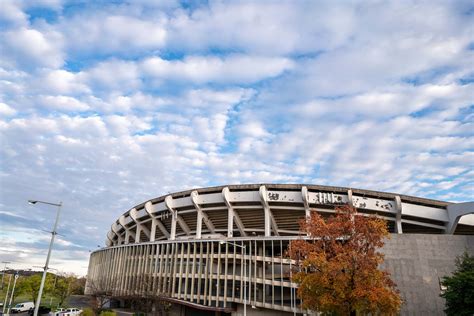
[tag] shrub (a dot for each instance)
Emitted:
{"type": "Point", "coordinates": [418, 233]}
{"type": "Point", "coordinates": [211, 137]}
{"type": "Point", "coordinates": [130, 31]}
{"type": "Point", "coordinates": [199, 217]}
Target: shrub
{"type": "Point", "coordinates": [87, 312]}
{"type": "Point", "coordinates": [108, 313]}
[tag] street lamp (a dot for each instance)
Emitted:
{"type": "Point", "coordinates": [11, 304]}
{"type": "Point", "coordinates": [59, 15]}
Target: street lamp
{"type": "Point", "coordinates": [13, 291]}
{"type": "Point", "coordinates": [53, 234]}
{"type": "Point", "coordinates": [245, 269]}
{"type": "Point", "coordinates": [4, 268]}
{"type": "Point", "coordinates": [6, 295]}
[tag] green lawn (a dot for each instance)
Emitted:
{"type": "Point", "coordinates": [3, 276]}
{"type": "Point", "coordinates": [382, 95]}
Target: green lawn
{"type": "Point", "coordinates": [45, 301]}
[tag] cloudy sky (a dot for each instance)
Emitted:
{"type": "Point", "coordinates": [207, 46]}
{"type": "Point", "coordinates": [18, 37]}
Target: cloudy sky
{"type": "Point", "coordinates": [106, 104]}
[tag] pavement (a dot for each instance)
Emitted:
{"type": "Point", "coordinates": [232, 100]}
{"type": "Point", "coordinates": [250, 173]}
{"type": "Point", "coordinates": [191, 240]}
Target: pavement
{"type": "Point", "coordinates": [79, 301]}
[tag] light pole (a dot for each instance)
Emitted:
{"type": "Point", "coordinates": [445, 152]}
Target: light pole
{"type": "Point", "coordinates": [6, 296]}
{"type": "Point", "coordinates": [53, 234]}
{"type": "Point", "coordinates": [11, 295]}
{"type": "Point", "coordinates": [245, 270]}
{"type": "Point", "coordinates": [4, 268]}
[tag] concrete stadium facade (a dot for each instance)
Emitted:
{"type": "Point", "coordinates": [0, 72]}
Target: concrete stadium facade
{"type": "Point", "coordinates": [222, 249]}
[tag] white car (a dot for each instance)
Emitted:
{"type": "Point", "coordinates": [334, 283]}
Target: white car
{"type": "Point", "coordinates": [71, 312]}
{"type": "Point", "coordinates": [57, 312]}
{"type": "Point", "coordinates": [23, 307]}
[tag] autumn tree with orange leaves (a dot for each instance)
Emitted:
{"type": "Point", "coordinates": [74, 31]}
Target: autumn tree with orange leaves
{"type": "Point", "coordinates": [338, 270]}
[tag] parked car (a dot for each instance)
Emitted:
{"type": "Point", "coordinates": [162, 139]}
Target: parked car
{"type": "Point", "coordinates": [57, 312]}
{"type": "Point", "coordinates": [42, 310]}
{"type": "Point", "coordinates": [72, 312]}
{"type": "Point", "coordinates": [23, 307]}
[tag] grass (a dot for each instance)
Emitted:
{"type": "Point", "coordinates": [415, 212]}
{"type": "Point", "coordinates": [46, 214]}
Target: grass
{"type": "Point", "coordinates": [45, 301]}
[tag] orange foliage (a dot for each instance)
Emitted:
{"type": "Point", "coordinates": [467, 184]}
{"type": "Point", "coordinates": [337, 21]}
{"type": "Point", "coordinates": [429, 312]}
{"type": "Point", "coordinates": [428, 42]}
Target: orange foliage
{"type": "Point", "coordinates": [338, 265]}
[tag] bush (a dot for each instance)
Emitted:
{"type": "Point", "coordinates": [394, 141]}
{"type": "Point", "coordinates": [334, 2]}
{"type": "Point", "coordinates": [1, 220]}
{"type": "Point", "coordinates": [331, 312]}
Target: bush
{"type": "Point", "coordinates": [108, 313]}
{"type": "Point", "coordinates": [87, 312]}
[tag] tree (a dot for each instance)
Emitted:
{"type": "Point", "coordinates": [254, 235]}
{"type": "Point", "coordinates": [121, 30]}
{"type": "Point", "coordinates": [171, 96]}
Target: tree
{"type": "Point", "coordinates": [62, 288]}
{"type": "Point", "coordinates": [338, 265]}
{"type": "Point", "coordinates": [78, 286]}
{"type": "Point", "coordinates": [99, 292]}
{"type": "Point", "coordinates": [459, 292]}
{"type": "Point", "coordinates": [31, 284]}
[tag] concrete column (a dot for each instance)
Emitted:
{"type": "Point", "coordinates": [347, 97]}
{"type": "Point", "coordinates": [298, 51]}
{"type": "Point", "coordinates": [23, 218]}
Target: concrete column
{"type": "Point", "coordinates": [349, 198]}
{"type": "Point", "coordinates": [127, 231]}
{"type": "Point", "coordinates": [232, 216]}
{"type": "Point", "coordinates": [138, 228]}
{"type": "Point", "coordinates": [266, 208]}
{"type": "Point", "coordinates": [455, 212]}
{"type": "Point", "coordinates": [269, 219]}
{"type": "Point", "coordinates": [201, 216]}
{"type": "Point", "coordinates": [168, 203]}
{"type": "Point", "coordinates": [398, 218]}
{"type": "Point", "coordinates": [175, 219]}
{"type": "Point", "coordinates": [115, 230]}
{"type": "Point", "coordinates": [150, 210]}
{"type": "Point", "coordinates": [230, 212]}
{"type": "Point", "coordinates": [199, 225]}
{"type": "Point", "coordinates": [304, 193]}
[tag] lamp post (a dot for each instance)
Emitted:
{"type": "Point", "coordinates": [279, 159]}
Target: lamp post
{"type": "Point", "coordinates": [6, 295]}
{"type": "Point", "coordinates": [245, 269]}
{"type": "Point", "coordinates": [4, 268]}
{"type": "Point", "coordinates": [11, 295]}
{"type": "Point", "coordinates": [53, 235]}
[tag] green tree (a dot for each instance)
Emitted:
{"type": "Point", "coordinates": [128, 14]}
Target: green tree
{"type": "Point", "coordinates": [30, 285]}
{"type": "Point", "coordinates": [459, 292]}
{"type": "Point", "coordinates": [78, 286]}
{"type": "Point", "coordinates": [63, 287]}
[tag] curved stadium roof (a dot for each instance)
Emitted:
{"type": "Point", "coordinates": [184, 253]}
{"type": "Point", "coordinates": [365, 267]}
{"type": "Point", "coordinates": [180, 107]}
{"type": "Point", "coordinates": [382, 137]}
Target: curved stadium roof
{"type": "Point", "coordinates": [275, 210]}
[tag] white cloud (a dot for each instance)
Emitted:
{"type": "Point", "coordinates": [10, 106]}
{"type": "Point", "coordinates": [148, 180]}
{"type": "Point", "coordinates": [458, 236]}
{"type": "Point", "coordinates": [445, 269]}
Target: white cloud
{"type": "Point", "coordinates": [30, 48]}
{"type": "Point", "coordinates": [114, 75]}
{"type": "Point", "coordinates": [206, 98]}
{"type": "Point", "coordinates": [231, 69]}
{"type": "Point", "coordinates": [105, 34]}
{"type": "Point", "coordinates": [391, 100]}
{"type": "Point", "coordinates": [276, 28]}
{"type": "Point", "coordinates": [6, 110]}
{"type": "Point", "coordinates": [61, 102]}
{"type": "Point", "coordinates": [12, 12]}
{"type": "Point", "coordinates": [126, 125]}
{"type": "Point", "coordinates": [60, 81]}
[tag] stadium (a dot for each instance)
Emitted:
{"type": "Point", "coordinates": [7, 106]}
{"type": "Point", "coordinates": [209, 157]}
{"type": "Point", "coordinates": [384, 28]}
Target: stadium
{"type": "Point", "coordinates": [221, 250]}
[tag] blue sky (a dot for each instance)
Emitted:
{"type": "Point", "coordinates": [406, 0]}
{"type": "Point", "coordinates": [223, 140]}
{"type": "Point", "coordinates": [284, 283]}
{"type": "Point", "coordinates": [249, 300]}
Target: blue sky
{"type": "Point", "coordinates": [104, 105]}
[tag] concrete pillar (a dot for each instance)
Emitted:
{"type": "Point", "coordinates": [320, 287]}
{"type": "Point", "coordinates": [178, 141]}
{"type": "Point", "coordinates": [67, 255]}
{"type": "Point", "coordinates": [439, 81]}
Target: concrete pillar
{"type": "Point", "coordinates": [398, 218]}
{"type": "Point", "coordinates": [266, 209]}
